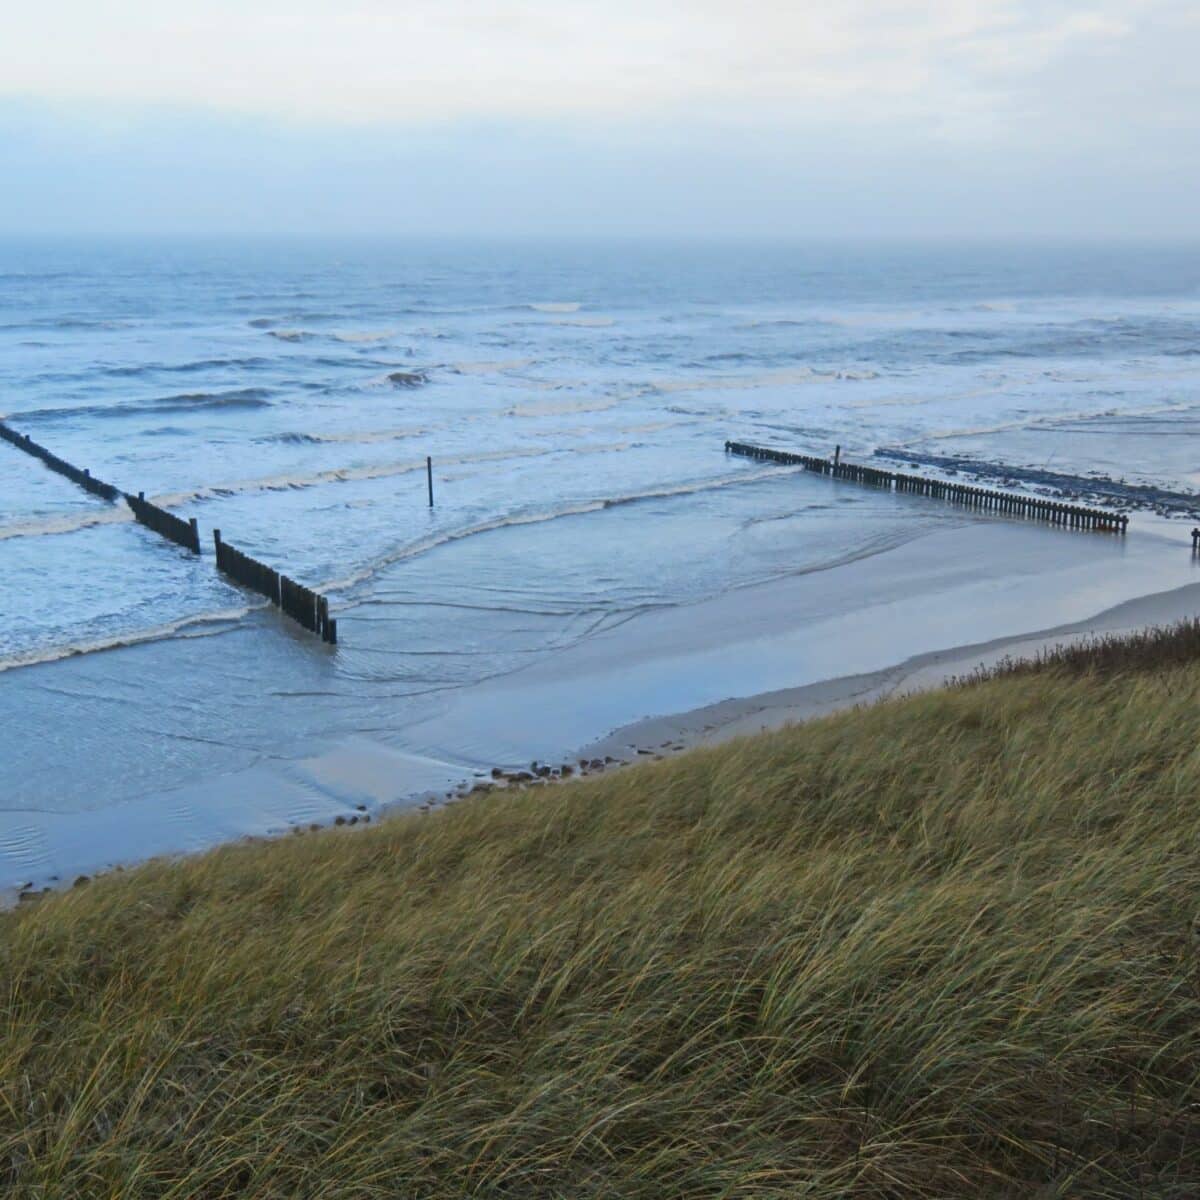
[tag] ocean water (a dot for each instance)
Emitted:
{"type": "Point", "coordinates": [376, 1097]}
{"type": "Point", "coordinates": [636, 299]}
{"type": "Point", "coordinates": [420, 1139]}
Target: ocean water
{"type": "Point", "coordinates": [574, 398]}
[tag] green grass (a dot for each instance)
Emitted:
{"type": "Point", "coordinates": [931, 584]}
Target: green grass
{"type": "Point", "coordinates": [942, 947]}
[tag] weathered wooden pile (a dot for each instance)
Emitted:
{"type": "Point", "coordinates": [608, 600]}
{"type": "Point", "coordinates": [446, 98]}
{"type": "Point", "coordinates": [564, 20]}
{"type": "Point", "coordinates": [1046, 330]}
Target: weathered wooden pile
{"type": "Point", "coordinates": [300, 603]}
{"type": "Point", "coordinates": [1071, 516]}
{"type": "Point", "coordinates": [82, 477]}
{"type": "Point", "coordinates": [166, 524]}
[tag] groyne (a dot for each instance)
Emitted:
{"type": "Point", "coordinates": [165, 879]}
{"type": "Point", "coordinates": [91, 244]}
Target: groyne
{"type": "Point", "coordinates": [166, 524]}
{"type": "Point", "coordinates": [83, 477]}
{"type": "Point", "coordinates": [1093, 489]}
{"type": "Point", "coordinates": [303, 605]}
{"type": "Point", "coordinates": [1012, 504]}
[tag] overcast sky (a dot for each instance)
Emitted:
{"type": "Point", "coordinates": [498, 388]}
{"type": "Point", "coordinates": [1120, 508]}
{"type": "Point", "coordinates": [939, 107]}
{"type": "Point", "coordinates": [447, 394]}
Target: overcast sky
{"type": "Point", "coordinates": [887, 117]}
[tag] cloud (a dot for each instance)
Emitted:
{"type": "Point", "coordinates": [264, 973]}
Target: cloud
{"type": "Point", "coordinates": [724, 116]}
{"type": "Point", "coordinates": [427, 60]}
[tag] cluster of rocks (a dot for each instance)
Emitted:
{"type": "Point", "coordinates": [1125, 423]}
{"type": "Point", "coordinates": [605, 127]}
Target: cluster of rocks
{"type": "Point", "coordinates": [540, 772]}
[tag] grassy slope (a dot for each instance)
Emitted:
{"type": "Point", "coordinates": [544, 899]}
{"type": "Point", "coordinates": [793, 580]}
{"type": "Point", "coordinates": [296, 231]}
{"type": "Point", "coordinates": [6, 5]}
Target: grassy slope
{"type": "Point", "coordinates": [943, 947]}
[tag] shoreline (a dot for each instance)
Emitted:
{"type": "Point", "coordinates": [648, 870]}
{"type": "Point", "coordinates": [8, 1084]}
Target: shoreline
{"type": "Point", "coordinates": [750, 715]}
{"type": "Point", "coordinates": [646, 740]}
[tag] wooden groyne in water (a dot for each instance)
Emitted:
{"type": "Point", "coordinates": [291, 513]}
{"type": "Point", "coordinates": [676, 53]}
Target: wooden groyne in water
{"type": "Point", "coordinates": [302, 604]}
{"type": "Point", "coordinates": [167, 524]}
{"type": "Point", "coordinates": [1070, 516]}
{"type": "Point", "coordinates": [23, 441]}
{"type": "Point", "coordinates": [183, 533]}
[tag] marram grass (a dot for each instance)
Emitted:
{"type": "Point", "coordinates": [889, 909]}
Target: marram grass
{"type": "Point", "coordinates": [944, 947]}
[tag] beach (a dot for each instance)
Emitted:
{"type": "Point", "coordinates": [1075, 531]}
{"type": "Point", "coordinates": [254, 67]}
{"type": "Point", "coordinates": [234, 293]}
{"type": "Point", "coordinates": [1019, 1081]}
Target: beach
{"type": "Point", "coordinates": [596, 578]}
{"type": "Point", "coordinates": [758, 657]}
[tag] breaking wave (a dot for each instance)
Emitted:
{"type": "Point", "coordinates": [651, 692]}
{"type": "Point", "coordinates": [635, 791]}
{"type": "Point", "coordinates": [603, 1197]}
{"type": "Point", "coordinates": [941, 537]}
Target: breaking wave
{"type": "Point", "coordinates": [537, 516]}
{"type": "Point", "coordinates": [206, 624]}
{"type": "Point", "coordinates": [66, 522]}
{"type": "Point", "coordinates": [362, 437]}
{"type": "Point", "coordinates": [292, 335]}
{"type": "Point", "coordinates": [182, 402]}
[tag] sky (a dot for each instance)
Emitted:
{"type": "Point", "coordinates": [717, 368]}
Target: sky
{"type": "Point", "coordinates": [567, 117]}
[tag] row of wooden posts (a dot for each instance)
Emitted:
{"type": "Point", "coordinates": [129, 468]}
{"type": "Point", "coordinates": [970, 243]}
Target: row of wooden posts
{"type": "Point", "coordinates": [1071, 516]}
{"type": "Point", "coordinates": [84, 478]}
{"type": "Point", "coordinates": [298, 602]}
{"type": "Point", "coordinates": [166, 524]}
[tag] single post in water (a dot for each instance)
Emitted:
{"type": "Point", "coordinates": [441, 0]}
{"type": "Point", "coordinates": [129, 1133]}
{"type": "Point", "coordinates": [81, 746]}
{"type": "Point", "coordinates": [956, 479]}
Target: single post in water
{"type": "Point", "coordinates": [837, 455]}
{"type": "Point", "coordinates": [429, 477]}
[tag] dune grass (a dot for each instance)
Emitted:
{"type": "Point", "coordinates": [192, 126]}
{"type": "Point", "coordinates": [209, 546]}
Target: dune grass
{"type": "Point", "coordinates": [944, 947]}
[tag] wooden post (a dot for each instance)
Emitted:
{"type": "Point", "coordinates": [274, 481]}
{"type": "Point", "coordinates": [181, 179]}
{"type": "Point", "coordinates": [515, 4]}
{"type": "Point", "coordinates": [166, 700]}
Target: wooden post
{"type": "Point", "coordinates": [837, 455]}
{"type": "Point", "coordinates": [429, 477]}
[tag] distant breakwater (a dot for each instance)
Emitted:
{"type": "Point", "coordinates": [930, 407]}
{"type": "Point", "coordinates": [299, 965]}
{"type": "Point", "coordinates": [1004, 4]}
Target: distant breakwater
{"type": "Point", "coordinates": [1014, 504]}
{"type": "Point", "coordinates": [1163, 501]}
{"type": "Point", "coordinates": [303, 605]}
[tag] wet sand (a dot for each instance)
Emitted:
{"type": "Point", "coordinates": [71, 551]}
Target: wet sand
{"type": "Point", "coordinates": [754, 658]}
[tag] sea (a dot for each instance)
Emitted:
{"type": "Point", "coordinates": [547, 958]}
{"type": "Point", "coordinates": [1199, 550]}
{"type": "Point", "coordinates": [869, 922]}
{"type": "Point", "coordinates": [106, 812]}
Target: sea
{"type": "Point", "coordinates": [574, 398]}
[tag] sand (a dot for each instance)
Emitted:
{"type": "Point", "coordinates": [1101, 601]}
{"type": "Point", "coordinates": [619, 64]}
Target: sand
{"type": "Point", "coordinates": [750, 659]}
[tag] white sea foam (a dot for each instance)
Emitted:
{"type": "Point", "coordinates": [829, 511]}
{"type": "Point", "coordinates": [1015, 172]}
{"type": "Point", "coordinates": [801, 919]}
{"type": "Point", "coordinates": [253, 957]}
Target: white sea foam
{"type": "Point", "coordinates": [546, 408]}
{"type": "Point", "coordinates": [490, 368]}
{"type": "Point", "coordinates": [196, 625]}
{"type": "Point", "coordinates": [365, 336]}
{"type": "Point", "coordinates": [555, 513]}
{"type": "Point", "coordinates": [70, 522]}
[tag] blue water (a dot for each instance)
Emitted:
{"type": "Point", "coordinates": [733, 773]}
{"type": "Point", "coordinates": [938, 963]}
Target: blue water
{"type": "Point", "coordinates": [574, 398]}
{"type": "Point", "coordinates": [288, 391]}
